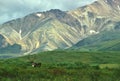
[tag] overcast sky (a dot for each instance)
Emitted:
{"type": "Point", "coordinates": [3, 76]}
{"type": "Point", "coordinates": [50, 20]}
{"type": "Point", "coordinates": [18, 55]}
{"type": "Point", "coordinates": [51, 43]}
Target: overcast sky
{"type": "Point", "coordinates": [11, 9]}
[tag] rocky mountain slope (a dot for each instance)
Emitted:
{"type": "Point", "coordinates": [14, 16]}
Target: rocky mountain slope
{"type": "Point", "coordinates": [42, 31]}
{"type": "Point", "coordinates": [101, 15]}
{"type": "Point", "coordinates": [56, 29]}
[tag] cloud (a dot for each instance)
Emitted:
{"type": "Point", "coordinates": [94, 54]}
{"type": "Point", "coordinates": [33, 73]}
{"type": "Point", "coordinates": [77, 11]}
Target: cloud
{"type": "Point", "coordinates": [11, 9]}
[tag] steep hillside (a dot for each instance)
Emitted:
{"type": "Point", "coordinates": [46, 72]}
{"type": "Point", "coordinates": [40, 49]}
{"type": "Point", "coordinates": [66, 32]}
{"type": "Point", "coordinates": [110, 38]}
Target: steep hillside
{"type": "Point", "coordinates": [42, 31]}
{"type": "Point", "coordinates": [99, 16]}
{"type": "Point", "coordinates": [105, 41]}
{"type": "Point", "coordinates": [56, 29]}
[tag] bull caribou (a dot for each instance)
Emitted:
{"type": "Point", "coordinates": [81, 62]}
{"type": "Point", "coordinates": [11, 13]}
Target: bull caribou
{"type": "Point", "coordinates": [36, 64]}
{"type": "Point", "coordinates": [32, 59]}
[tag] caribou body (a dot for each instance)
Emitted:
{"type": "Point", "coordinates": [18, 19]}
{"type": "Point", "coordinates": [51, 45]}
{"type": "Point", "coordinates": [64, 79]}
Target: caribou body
{"type": "Point", "coordinates": [36, 64]}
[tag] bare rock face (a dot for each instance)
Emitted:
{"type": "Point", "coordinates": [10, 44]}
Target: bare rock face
{"type": "Point", "coordinates": [99, 16]}
{"type": "Point", "coordinates": [42, 31]}
{"type": "Point", "coordinates": [56, 29]}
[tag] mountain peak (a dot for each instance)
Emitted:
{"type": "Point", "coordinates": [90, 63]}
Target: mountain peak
{"type": "Point", "coordinates": [55, 10]}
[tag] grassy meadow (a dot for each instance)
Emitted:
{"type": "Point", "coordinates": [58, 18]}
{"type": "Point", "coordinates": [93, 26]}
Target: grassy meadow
{"type": "Point", "coordinates": [70, 65]}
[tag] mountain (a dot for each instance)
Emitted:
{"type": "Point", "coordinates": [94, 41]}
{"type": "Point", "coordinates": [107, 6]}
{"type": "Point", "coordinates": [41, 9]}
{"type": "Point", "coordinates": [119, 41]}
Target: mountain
{"type": "Point", "coordinates": [42, 31]}
{"type": "Point", "coordinates": [99, 16]}
{"type": "Point", "coordinates": [56, 29]}
{"type": "Point", "coordinates": [105, 41]}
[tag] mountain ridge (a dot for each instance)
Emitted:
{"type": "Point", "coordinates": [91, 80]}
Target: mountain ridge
{"type": "Point", "coordinates": [56, 29]}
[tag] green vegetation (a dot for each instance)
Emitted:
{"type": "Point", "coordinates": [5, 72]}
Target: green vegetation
{"type": "Point", "coordinates": [68, 65]}
{"type": "Point", "coordinates": [109, 41]}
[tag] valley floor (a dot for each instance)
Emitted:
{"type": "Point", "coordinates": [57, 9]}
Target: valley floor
{"type": "Point", "coordinates": [63, 66]}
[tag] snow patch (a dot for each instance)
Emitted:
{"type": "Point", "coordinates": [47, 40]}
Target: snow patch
{"type": "Point", "coordinates": [20, 31]}
{"type": "Point", "coordinates": [118, 7]}
{"type": "Point", "coordinates": [39, 15]}
{"type": "Point", "coordinates": [106, 1]}
{"type": "Point", "coordinates": [93, 32]}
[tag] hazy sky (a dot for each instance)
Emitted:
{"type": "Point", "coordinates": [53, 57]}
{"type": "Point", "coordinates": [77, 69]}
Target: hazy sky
{"type": "Point", "coordinates": [11, 9]}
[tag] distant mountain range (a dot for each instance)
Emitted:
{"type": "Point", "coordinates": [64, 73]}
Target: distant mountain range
{"type": "Point", "coordinates": [95, 26]}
